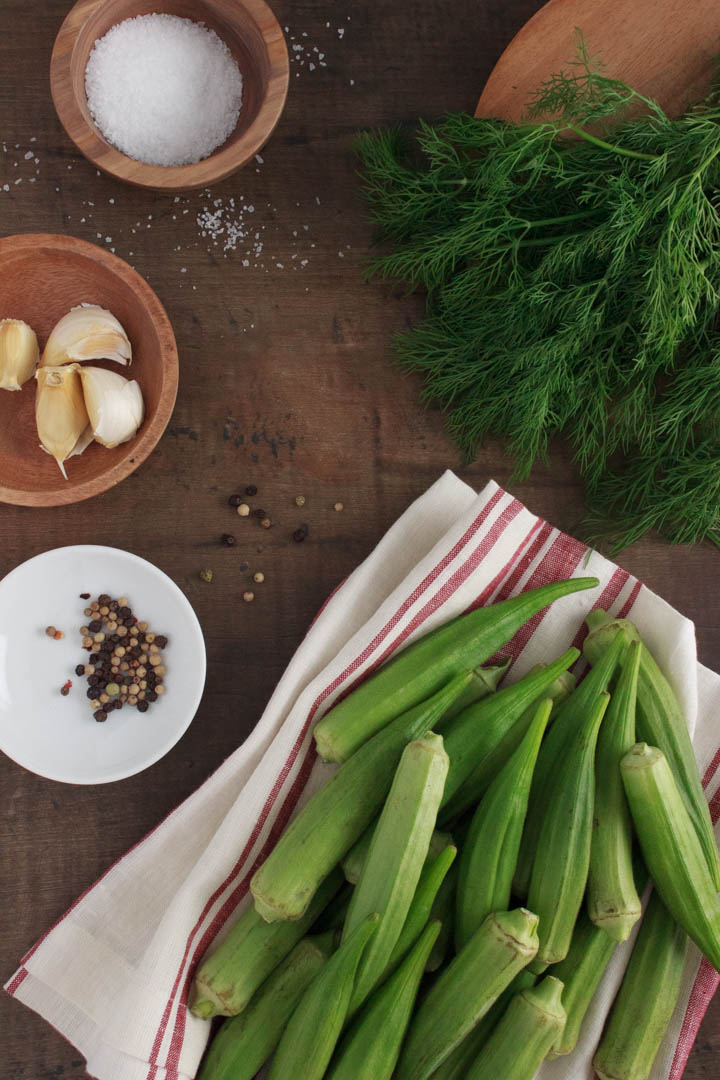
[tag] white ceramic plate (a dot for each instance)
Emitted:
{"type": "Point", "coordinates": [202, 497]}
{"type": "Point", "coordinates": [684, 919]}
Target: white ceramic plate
{"type": "Point", "coordinates": [58, 737]}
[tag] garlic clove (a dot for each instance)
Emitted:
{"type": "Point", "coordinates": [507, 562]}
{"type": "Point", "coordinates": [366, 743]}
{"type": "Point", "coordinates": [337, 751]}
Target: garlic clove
{"type": "Point", "coordinates": [19, 353]}
{"type": "Point", "coordinates": [114, 404]}
{"type": "Point", "coordinates": [83, 442]}
{"type": "Point", "coordinates": [60, 412]}
{"type": "Point", "coordinates": [87, 332]}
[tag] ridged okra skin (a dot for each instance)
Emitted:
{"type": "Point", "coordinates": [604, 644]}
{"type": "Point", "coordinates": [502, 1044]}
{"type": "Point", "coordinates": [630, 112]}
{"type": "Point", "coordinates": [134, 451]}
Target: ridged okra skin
{"type": "Point", "coordinates": [456, 1066]}
{"type": "Point", "coordinates": [646, 999]}
{"type": "Point", "coordinates": [308, 1042]}
{"type": "Point", "coordinates": [478, 730]}
{"type": "Point", "coordinates": [354, 861]}
{"type": "Point", "coordinates": [580, 972]}
{"type": "Point", "coordinates": [568, 718]}
{"type": "Point", "coordinates": [612, 898]}
{"type": "Point", "coordinates": [370, 1049]}
{"type": "Point", "coordinates": [227, 979]}
{"type": "Point", "coordinates": [396, 857]}
{"type": "Point", "coordinates": [671, 848]}
{"type": "Point", "coordinates": [443, 910]}
{"type": "Point", "coordinates": [245, 1042]}
{"type": "Point", "coordinates": [499, 744]}
{"type": "Point", "coordinates": [660, 722]}
{"type": "Point", "coordinates": [489, 853]}
{"type": "Point", "coordinates": [485, 680]}
{"type": "Point", "coordinates": [422, 668]}
{"type": "Point", "coordinates": [561, 864]}
{"type": "Point", "coordinates": [338, 814]}
{"type": "Point", "coordinates": [516, 1048]}
{"type": "Point", "coordinates": [465, 991]}
{"type": "Point", "coordinates": [419, 914]}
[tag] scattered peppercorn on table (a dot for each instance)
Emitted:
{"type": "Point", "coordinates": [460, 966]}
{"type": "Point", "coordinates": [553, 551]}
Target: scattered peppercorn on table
{"type": "Point", "coordinates": [285, 389]}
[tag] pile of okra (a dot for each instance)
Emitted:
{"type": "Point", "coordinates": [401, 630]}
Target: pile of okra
{"type": "Point", "coordinates": [447, 905]}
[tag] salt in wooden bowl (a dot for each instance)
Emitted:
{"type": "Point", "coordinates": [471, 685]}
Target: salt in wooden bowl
{"type": "Point", "coordinates": [253, 36]}
{"type": "Point", "coordinates": [41, 278]}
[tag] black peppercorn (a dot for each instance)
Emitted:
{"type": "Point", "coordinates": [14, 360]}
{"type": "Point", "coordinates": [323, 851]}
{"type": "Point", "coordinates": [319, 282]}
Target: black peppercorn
{"type": "Point", "coordinates": [299, 535]}
{"type": "Point", "coordinates": [95, 626]}
{"type": "Point", "coordinates": [100, 715]}
{"type": "Point", "coordinates": [103, 599]}
{"type": "Point", "coordinates": [65, 690]}
{"type": "Point", "coordinates": [124, 612]}
{"type": "Point", "coordinates": [151, 696]}
{"type": "Point", "coordinates": [161, 641]}
{"type": "Point", "coordinates": [235, 500]}
{"type": "Point", "coordinates": [80, 669]}
{"type": "Point", "coordinates": [259, 513]}
{"type": "Point", "coordinates": [228, 539]}
{"type": "Point", "coordinates": [251, 490]}
{"type": "Point", "coordinates": [142, 706]}
{"type": "Point", "coordinates": [84, 595]}
{"type": "Point", "coordinates": [92, 692]}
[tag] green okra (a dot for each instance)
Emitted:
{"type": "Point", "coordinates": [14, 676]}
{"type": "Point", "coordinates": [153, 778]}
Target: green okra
{"type": "Point", "coordinates": [354, 861]}
{"type": "Point", "coordinates": [309, 1039]}
{"type": "Point", "coordinates": [499, 743]}
{"type": "Point", "coordinates": [245, 1042]}
{"type": "Point", "coordinates": [431, 878]}
{"type": "Point", "coordinates": [612, 898]}
{"type": "Point", "coordinates": [516, 1048]}
{"type": "Point", "coordinates": [470, 735]}
{"type": "Point", "coordinates": [581, 971]}
{"type": "Point", "coordinates": [396, 857]}
{"type": "Point", "coordinates": [646, 1000]}
{"type": "Point", "coordinates": [560, 867]}
{"type": "Point", "coordinates": [337, 815]}
{"type": "Point", "coordinates": [426, 665]}
{"type": "Point", "coordinates": [370, 1049]}
{"type": "Point", "coordinates": [671, 848]}
{"type": "Point", "coordinates": [465, 991]}
{"type": "Point", "coordinates": [660, 722]}
{"type": "Point", "coordinates": [227, 979]}
{"type": "Point", "coordinates": [443, 911]}
{"type": "Point", "coordinates": [485, 681]}
{"type": "Point", "coordinates": [457, 1064]}
{"type": "Point", "coordinates": [568, 718]}
{"type": "Point", "coordinates": [333, 916]}
{"type": "Point", "coordinates": [489, 854]}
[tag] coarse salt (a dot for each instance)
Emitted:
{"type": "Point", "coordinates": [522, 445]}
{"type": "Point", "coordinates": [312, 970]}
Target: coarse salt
{"type": "Point", "coordinates": [164, 90]}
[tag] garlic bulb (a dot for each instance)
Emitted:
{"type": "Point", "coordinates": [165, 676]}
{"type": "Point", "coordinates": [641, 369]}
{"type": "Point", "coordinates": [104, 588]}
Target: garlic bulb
{"type": "Point", "coordinates": [87, 332]}
{"type": "Point", "coordinates": [114, 404]}
{"type": "Point", "coordinates": [60, 412]}
{"type": "Point", "coordinates": [19, 353]}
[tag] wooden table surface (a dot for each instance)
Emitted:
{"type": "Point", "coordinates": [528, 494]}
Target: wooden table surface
{"type": "Point", "coordinates": [285, 383]}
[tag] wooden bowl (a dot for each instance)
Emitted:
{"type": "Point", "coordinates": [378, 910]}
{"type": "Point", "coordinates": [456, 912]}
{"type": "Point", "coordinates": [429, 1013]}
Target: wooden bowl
{"type": "Point", "coordinates": [254, 37]}
{"type": "Point", "coordinates": [41, 278]}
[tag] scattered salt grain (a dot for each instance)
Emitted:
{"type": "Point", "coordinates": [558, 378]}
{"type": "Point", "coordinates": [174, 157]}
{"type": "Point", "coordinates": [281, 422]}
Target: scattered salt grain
{"type": "Point", "coordinates": [162, 89]}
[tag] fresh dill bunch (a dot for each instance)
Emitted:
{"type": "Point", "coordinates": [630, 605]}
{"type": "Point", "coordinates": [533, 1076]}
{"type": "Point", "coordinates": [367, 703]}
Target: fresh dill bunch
{"type": "Point", "coordinates": [572, 271]}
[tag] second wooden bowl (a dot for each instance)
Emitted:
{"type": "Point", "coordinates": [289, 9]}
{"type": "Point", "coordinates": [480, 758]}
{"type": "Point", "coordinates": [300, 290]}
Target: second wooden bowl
{"type": "Point", "coordinates": [254, 37]}
{"type": "Point", "coordinates": [41, 278]}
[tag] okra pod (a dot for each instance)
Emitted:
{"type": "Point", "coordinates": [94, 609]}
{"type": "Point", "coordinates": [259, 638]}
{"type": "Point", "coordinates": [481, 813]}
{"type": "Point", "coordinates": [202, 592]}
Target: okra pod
{"type": "Point", "coordinates": [671, 849]}
{"type": "Point", "coordinates": [431, 878]}
{"type": "Point", "coordinates": [646, 1000]}
{"type": "Point", "coordinates": [396, 857]}
{"type": "Point", "coordinates": [245, 1042]}
{"type": "Point", "coordinates": [581, 971]}
{"type": "Point", "coordinates": [569, 717]}
{"type": "Point", "coordinates": [328, 826]}
{"type": "Point", "coordinates": [484, 681]}
{"type": "Point", "coordinates": [499, 743]}
{"type": "Point", "coordinates": [517, 1046]}
{"type": "Point", "coordinates": [455, 1067]}
{"type": "Point", "coordinates": [308, 1041]}
{"type": "Point", "coordinates": [465, 991]}
{"type": "Point", "coordinates": [612, 898]}
{"type": "Point", "coordinates": [478, 730]}
{"type": "Point", "coordinates": [489, 855]}
{"type": "Point", "coordinates": [443, 911]}
{"type": "Point", "coordinates": [661, 722]}
{"type": "Point", "coordinates": [560, 867]}
{"type": "Point", "coordinates": [227, 979]}
{"type": "Point", "coordinates": [371, 1047]}
{"type": "Point", "coordinates": [420, 670]}
{"type": "Point", "coordinates": [354, 861]}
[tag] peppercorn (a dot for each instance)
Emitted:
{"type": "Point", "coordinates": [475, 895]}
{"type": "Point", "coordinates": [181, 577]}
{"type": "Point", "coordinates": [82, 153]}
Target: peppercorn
{"type": "Point", "coordinates": [259, 577]}
{"type": "Point", "coordinates": [65, 690]}
{"type": "Point", "coordinates": [228, 539]}
{"type": "Point", "coordinates": [80, 669]}
{"type": "Point", "coordinates": [94, 626]}
{"type": "Point", "coordinates": [100, 716]}
{"type": "Point", "coordinates": [50, 631]}
{"type": "Point", "coordinates": [299, 535]}
{"type": "Point", "coordinates": [124, 612]}
{"type": "Point", "coordinates": [161, 641]}
{"type": "Point", "coordinates": [206, 575]}
{"type": "Point", "coordinates": [235, 500]}
{"type": "Point", "coordinates": [248, 597]}
{"type": "Point", "coordinates": [151, 696]}
{"type": "Point", "coordinates": [266, 523]}
{"type": "Point", "coordinates": [299, 500]}
{"type": "Point", "coordinates": [243, 510]}
{"type": "Point", "coordinates": [84, 595]}
{"type": "Point", "coordinates": [338, 506]}
{"type": "Point", "coordinates": [91, 692]}
{"type": "Point", "coordinates": [259, 513]}
{"type": "Point", "coordinates": [142, 706]}
{"type": "Point", "coordinates": [251, 490]}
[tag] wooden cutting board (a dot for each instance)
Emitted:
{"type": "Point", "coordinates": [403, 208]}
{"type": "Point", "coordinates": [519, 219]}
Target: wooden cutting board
{"type": "Point", "coordinates": [666, 49]}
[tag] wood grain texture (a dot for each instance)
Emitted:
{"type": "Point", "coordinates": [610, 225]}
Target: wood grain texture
{"type": "Point", "coordinates": [286, 383]}
{"type": "Point", "coordinates": [251, 32]}
{"type": "Point", "coordinates": [41, 278]}
{"type": "Point", "coordinates": [666, 50]}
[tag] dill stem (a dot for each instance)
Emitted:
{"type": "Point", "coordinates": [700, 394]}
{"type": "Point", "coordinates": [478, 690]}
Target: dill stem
{"type": "Point", "coordinates": [610, 146]}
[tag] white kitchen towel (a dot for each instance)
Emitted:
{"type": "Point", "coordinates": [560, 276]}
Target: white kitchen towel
{"type": "Point", "coordinates": [113, 974]}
